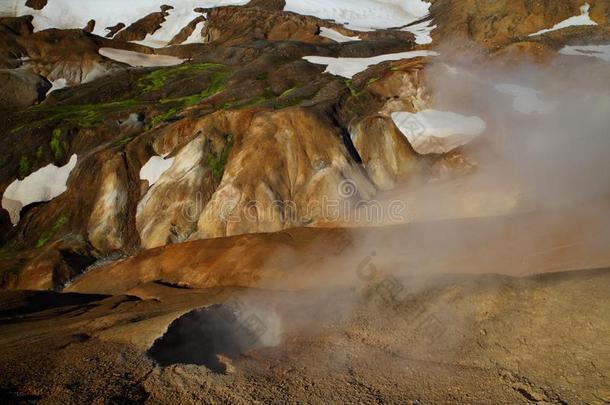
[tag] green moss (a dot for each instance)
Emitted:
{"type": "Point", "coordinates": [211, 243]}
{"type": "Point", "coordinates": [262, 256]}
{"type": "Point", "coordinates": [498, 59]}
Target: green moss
{"type": "Point", "coordinates": [352, 90]}
{"type": "Point", "coordinates": [373, 80]}
{"type": "Point", "coordinates": [288, 92]}
{"type": "Point", "coordinates": [85, 115]}
{"type": "Point", "coordinates": [236, 104]}
{"type": "Point", "coordinates": [157, 79]}
{"type": "Point", "coordinates": [123, 141]}
{"type": "Point", "coordinates": [88, 115]}
{"type": "Point", "coordinates": [161, 118]}
{"type": "Point", "coordinates": [57, 147]}
{"type": "Point", "coordinates": [39, 153]}
{"type": "Point", "coordinates": [217, 84]}
{"type": "Point", "coordinates": [7, 254]}
{"type": "Point", "coordinates": [50, 233]}
{"type": "Point", "coordinates": [24, 167]}
{"type": "Point", "coordinates": [217, 162]}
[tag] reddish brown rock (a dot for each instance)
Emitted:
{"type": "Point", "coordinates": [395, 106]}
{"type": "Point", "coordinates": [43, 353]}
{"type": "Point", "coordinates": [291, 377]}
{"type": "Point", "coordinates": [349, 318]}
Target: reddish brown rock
{"type": "Point", "coordinates": [36, 4]}
{"type": "Point", "coordinates": [114, 29]}
{"type": "Point", "coordinates": [141, 28]}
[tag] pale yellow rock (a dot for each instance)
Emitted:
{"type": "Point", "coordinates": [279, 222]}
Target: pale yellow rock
{"type": "Point", "coordinates": [107, 222]}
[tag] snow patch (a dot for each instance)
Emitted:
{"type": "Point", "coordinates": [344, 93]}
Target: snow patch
{"type": "Point", "coordinates": [43, 185]}
{"type": "Point", "coordinates": [196, 37]}
{"type": "Point", "coordinates": [348, 67]}
{"type": "Point", "coordinates": [433, 131]}
{"type": "Point", "coordinates": [595, 51]}
{"type": "Point", "coordinates": [363, 15]}
{"type": "Point", "coordinates": [137, 59]}
{"type": "Point", "coordinates": [174, 23]}
{"type": "Point", "coordinates": [57, 85]}
{"type": "Point", "coordinates": [422, 32]}
{"type": "Point", "coordinates": [525, 99]}
{"type": "Point", "coordinates": [154, 169]}
{"type": "Point", "coordinates": [582, 19]}
{"type": "Point", "coordinates": [336, 36]}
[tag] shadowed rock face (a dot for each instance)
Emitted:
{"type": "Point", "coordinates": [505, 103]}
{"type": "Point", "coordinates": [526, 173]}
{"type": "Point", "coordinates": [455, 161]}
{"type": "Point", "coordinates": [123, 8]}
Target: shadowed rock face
{"type": "Point", "coordinates": [202, 335]}
{"type": "Point", "coordinates": [21, 88]}
{"type": "Point", "coordinates": [11, 30]}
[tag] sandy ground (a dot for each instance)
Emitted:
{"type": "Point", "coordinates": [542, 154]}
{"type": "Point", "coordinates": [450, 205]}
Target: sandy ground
{"type": "Point", "coordinates": [446, 339]}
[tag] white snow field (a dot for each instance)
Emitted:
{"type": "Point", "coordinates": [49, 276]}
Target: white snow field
{"type": "Point", "coordinates": [433, 131]}
{"type": "Point", "coordinates": [336, 36]}
{"type": "Point", "coordinates": [43, 185]}
{"type": "Point", "coordinates": [348, 67]}
{"type": "Point", "coordinates": [154, 169]}
{"type": "Point", "coordinates": [137, 59]}
{"type": "Point", "coordinates": [525, 99]}
{"type": "Point", "coordinates": [582, 19]}
{"type": "Point", "coordinates": [68, 14]}
{"type": "Point", "coordinates": [363, 15]}
{"type": "Point", "coordinates": [595, 51]}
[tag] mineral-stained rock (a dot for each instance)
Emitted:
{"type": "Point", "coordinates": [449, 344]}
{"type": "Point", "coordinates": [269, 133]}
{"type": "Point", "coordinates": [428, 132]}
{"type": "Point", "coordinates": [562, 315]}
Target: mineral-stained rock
{"type": "Point", "coordinates": [106, 229]}
{"type": "Point", "coordinates": [386, 155]}
{"type": "Point", "coordinates": [68, 54]}
{"type": "Point", "coordinates": [228, 25]}
{"type": "Point", "coordinates": [50, 268]}
{"type": "Point", "coordinates": [497, 24]}
{"type": "Point", "coordinates": [306, 163]}
{"type": "Point", "coordinates": [182, 189]}
{"type": "Point", "coordinates": [198, 148]}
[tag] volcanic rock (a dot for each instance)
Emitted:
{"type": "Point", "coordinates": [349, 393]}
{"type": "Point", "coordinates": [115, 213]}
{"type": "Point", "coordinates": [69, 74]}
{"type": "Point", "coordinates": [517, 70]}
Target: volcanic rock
{"type": "Point", "coordinates": [20, 88]}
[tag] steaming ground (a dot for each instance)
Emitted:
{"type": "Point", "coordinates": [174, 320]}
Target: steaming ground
{"type": "Point", "coordinates": [335, 315]}
{"type": "Point", "coordinates": [462, 339]}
